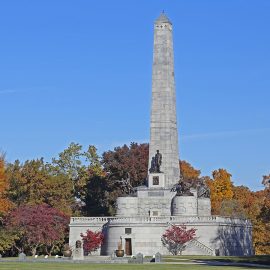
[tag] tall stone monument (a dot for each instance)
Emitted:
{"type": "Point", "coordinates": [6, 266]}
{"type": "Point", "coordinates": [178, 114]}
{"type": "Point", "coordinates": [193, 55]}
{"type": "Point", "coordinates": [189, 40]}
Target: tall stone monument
{"type": "Point", "coordinates": [163, 127]}
{"type": "Point", "coordinates": [145, 212]}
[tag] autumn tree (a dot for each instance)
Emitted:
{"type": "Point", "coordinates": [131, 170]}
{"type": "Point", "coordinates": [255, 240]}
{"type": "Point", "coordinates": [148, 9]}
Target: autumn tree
{"type": "Point", "coordinates": [247, 202]}
{"type": "Point", "coordinates": [8, 237]}
{"type": "Point", "coordinates": [262, 237]}
{"type": "Point", "coordinates": [127, 161]}
{"type": "Point", "coordinates": [265, 211]}
{"type": "Point", "coordinates": [5, 203]}
{"type": "Point", "coordinates": [221, 188]}
{"type": "Point", "coordinates": [37, 226]}
{"type": "Point", "coordinates": [252, 205]}
{"type": "Point", "coordinates": [241, 205]}
{"type": "Point", "coordinates": [188, 173]}
{"type": "Point", "coordinates": [92, 241]}
{"type": "Point", "coordinates": [232, 208]}
{"type": "Point", "coordinates": [176, 238]}
{"type": "Point", "coordinates": [122, 163]}
{"type": "Point", "coordinates": [33, 182]}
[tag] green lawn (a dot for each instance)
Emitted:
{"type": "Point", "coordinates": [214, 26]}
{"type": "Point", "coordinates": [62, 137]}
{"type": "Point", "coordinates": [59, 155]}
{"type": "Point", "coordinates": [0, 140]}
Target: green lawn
{"type": "Point", "coordinates": [13, 264]}
{"type": "Point", "coordinates": [246, 259]}
{"type": "Point", "coordinates": [67, 266]}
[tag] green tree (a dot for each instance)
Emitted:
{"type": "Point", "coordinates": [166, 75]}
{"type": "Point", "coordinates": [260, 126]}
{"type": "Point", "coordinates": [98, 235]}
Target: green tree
{"type": "Point", "coordinates": [7, 238]}
{"type": "Point", "coordinates": [96, 201]}
{"type": "Point", "coordinates": [71, 162]}
{"type": "Point", "coordinates": [78, 166]}
{"type": "Point", "coordinates": [95, 167]}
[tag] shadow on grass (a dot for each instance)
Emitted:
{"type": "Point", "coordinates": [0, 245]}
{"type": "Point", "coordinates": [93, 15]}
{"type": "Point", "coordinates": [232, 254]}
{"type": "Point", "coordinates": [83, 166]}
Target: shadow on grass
{"type": "Point", "coordinates": [254, 261]}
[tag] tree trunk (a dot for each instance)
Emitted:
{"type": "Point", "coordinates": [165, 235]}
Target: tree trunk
{"type": "Point", "coordinates": [50, 250]}
{"type": "Point", "coordinates": [20, 250]}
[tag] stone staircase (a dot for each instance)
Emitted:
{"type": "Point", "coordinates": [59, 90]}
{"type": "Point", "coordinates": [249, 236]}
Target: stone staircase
{"type": "Point", "coordinates": [200, 247]}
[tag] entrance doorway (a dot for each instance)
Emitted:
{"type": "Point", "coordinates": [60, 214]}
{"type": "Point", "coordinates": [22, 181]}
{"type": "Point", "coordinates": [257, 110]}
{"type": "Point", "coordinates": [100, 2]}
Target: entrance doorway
{"type": "Point", "coordinates": [128, 247]}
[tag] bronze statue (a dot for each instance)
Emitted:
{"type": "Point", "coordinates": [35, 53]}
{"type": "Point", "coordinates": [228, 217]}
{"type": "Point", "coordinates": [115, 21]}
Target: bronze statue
{"type": "Point", "coordinates": [125, 185]}
{"type": "Point", "coordinates": [156, 163]}
{"type": "Point", "coordinates": [176, 188]}
{"type": "Point", "coordinates": [203, 190]}
{"type": "Point", "coordinates": [182, 189]}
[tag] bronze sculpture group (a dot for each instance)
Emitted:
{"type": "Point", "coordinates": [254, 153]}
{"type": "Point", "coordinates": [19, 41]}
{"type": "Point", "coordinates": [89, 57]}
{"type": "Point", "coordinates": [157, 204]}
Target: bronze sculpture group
{"type": "Point", "coordinates": [156, 163]}
{"type": "Point", "coordinates": [183, 188]}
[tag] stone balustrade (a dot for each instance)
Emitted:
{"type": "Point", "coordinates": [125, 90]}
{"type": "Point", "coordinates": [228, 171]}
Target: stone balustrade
{"type": "Point", "coordinates": [82, 220]}
{"type": "Point", "coordinates": [165, 219]}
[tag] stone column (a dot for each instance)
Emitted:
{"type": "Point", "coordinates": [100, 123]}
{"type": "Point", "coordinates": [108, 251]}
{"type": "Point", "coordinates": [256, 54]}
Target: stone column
{"type": "Point", "coordinates": [163, 133]}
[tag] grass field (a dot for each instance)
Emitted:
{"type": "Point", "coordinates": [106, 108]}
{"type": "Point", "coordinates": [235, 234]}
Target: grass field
{"type": "Point", "coordinates": [13, 264]}
{"type": "Point", "coordinates": [247, 259]}
{"type": "Point", "coordinates": [65, 266]}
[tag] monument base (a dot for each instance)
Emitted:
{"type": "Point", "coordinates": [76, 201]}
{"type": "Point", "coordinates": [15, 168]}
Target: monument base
{"type": "Point", "coordinates": [156, 180]}
{"type": "Point", "coordinates": [142, 234]}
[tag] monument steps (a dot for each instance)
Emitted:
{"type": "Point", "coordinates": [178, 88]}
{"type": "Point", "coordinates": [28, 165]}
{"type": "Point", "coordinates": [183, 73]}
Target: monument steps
{"type": "Point", "coordinates": [205, 249]}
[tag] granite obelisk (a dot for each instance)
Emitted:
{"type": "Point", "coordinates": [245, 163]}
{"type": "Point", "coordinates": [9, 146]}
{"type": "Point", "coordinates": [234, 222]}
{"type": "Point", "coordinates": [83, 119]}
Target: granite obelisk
{"type": "Point", "coordinates": [163, 130]}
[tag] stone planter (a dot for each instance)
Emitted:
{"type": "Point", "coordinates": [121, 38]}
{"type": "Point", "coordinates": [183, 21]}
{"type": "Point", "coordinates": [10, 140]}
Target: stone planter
{"type": "Point", "coordinates": [119, 253]}
{"type": "Point", "coordinates": [67, 253]}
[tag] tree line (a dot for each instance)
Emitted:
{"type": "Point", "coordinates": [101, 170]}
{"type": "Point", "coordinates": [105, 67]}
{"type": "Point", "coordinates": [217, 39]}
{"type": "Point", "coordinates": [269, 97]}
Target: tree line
{"type": "Point", "coordinates": [37, 198]}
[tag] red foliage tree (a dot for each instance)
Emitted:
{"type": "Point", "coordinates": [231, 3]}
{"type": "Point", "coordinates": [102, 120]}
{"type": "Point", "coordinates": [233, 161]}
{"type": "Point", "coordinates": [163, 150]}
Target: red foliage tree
{"type": "Point", "coordinates": [132, 160]}
{"type": "Point", "coordinates": [176, 237]}
{"type": "Point", "coordinates": [122, 163]}
{"type": "Point", "coordinates": [38, 225]}
{"type": "Point", "coordinates": [92, 240]}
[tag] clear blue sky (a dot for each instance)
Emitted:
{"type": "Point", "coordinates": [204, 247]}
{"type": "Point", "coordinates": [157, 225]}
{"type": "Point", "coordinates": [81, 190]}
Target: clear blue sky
{"type": "Point", "coordinates": [81, 71]}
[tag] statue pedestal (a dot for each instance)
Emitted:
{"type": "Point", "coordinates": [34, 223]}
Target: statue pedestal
{"type": "Point", "coordinates": [184, 206]}
{"type": "Point", "coordinates": [204, 207]}
{"type": "Point", "coordinates": [156, 180]}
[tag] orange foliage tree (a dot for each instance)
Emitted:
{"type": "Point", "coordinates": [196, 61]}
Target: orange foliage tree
{"type": "Point", "coordinates": [248, 202]}
{"type": "Point", "coordinates": [5, 204]}
{"type": "Point", "coordinates": [188, 172]}
{"type": "Point", "coordinates": [221, 188]}
{"type": "Point", "coordinates": [262, 226]}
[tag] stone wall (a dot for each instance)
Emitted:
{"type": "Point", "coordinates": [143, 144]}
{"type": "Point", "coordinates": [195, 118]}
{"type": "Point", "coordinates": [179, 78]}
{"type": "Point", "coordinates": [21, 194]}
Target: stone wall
{"type": "Point", "coordinates": [214, 235]}
{"type": "Point", "coordinates": [148, 202]}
